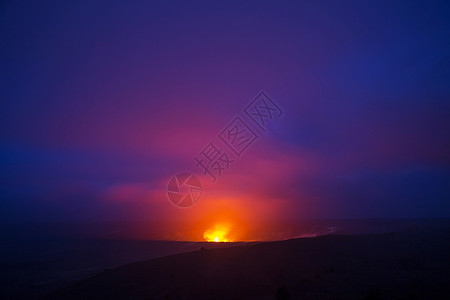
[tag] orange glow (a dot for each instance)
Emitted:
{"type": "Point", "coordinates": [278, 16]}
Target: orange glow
{"type": "Point", "coordinates": [219, 233]}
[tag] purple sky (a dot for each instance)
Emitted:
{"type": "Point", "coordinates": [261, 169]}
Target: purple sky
{"type": "Point", "coordinates": [103, 101]}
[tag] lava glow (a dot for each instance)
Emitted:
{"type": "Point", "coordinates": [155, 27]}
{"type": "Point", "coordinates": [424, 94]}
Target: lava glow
{"type": "Point", "coordinates": [219, 233]}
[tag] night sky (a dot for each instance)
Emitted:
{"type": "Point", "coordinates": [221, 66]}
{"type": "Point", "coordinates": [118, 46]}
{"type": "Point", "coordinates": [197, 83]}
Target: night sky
{"type": "Point", "coordinates": [102, 102]}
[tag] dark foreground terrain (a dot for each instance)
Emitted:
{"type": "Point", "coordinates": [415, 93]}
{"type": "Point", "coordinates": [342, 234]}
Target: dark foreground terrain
{"type": "Point", "coordinates": [412, 264]}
